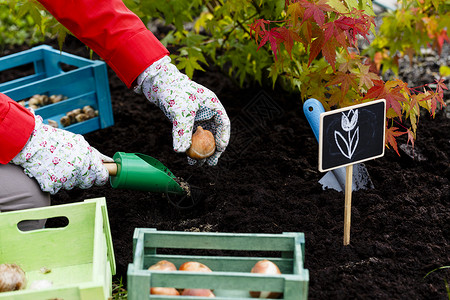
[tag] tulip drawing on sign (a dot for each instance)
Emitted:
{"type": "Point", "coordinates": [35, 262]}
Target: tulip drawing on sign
{"type": "Point", "coordinates": [348, 145]}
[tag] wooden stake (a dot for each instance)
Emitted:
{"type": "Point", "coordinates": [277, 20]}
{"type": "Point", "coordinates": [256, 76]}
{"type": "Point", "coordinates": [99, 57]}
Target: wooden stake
{"type": "Point", "coordinates": [348, 203]}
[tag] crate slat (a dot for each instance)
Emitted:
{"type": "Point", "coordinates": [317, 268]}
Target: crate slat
{"type": "Point", "coordinates": [230, 277]}
{"type": "Point", "coordinates": [86, 83]}
{"type": "Point", "coordinates": [225, 263]}
{"type": "Point", "coordinates": [79, 256]}
{"type": "Point", "coordinates": [222, 241]}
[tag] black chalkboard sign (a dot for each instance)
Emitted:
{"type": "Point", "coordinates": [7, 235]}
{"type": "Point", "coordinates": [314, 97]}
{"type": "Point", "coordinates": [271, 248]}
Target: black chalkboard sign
{"type": "Point", "coordinates": [352, 134]}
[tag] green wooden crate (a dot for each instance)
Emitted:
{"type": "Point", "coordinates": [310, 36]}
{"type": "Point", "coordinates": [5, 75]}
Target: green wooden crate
{"type": "Point", "coordinates": [79, 255]}
{"type": "Point", "coordinates": [227, 256]}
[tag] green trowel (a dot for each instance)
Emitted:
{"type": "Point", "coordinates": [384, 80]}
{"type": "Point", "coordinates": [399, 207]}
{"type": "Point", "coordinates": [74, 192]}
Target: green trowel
{"type": "Point", "coordinates": [136, 171]}
{"type": "Point", "coordinates": [141, 172]}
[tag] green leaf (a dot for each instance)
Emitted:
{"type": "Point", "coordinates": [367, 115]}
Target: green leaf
{"type": "Point", "coordinates": [440, 268]}
{"type": "Point", "coordinates": [444, 70]}
{"type": "Point", "coordinates": [338, 5]}
{"type": "Point", "coordinates": [202, 21]}
{"type": "Point", "coordinates": [367, 6]}
{"type": "Point", "coordinates": [189, 64]}
{"type": "Point", "coordinates": [168, 39]}
{"type": "Point", "coordinates": [352, 4]}
{"type": "Point", "coordinates": [193, 39]}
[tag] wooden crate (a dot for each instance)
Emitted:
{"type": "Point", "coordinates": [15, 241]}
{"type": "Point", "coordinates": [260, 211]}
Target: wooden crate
{"type": "Point", "coordinates": [84, 83]}
{"type": "Point", "coordinates": [231, 277]}
{"type": "Point", "coordinates": [80, 256]}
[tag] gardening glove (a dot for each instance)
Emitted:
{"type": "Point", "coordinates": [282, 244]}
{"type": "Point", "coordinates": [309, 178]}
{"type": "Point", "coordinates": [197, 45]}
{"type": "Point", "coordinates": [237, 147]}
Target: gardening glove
{"type": "Point", "coordinates": [187, 104]}
{"type": "Point", "coordinates": [59, 159]}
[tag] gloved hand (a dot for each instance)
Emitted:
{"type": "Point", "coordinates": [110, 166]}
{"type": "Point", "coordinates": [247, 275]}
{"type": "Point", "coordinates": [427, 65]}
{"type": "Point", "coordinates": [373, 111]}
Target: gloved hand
{"type": "Point", "coordinates": [58, 159]}
{"type": "Point", "coordinates": [187, 104]}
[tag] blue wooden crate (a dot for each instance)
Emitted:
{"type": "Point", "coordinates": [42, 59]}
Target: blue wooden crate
{"type": "Point", "coordinates": [85, 83]}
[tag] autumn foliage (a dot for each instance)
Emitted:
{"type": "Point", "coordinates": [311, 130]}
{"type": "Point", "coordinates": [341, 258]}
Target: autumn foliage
{"type": "Point", "coordinates": [329, 31]}
{"type": "Point", "coordinates": [308, 46]}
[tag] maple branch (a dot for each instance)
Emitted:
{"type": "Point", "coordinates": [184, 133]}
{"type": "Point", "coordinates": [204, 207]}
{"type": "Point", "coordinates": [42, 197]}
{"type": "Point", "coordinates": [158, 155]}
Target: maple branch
{"type": "Point", "coordinates": [227, 36]}
{"type": "Point", "coordinates": [416, 88]}
{"type": "Point", "coordinates": [256, 6]}
{"type": "Point", "coordinates": [237, 21]}
{"type": "Point", "coordinates": [399, 123]}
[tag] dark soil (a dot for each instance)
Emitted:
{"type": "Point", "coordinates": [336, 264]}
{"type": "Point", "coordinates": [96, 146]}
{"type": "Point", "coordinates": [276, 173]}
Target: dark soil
{"type": "Point", "coordinates": [267, 182]}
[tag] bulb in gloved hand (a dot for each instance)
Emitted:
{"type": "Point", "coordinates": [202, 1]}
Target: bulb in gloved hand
{"type": "Point", "coordinates": [203, 144]}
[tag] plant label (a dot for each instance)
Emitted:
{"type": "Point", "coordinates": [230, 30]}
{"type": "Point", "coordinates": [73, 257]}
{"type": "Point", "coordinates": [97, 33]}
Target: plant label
{"type": "Point", "coordinates": [352, 134]}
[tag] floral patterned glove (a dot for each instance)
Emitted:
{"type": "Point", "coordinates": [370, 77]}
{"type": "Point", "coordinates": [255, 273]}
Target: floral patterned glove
{"type": "Point", "coordinates": [187, 104]}
{"type": "Point", "coordinates": [61, 159]}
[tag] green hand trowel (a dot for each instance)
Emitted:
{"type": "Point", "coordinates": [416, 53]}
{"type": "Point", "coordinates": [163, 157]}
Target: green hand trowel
{"type": "Point", "coordinates": [137, 171]}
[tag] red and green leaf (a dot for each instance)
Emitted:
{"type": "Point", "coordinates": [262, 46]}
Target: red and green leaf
{"type": "Point", "coordinates": [330, 29]}
{"type": "Point", "coordinates": [391, 134]}
{"type": "Point", "coordinates": [316, 10]}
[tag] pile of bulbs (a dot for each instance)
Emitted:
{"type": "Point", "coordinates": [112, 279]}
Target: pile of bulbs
{"type": "Point", "coordinates": [13, 278]}
{"type": "Point", "coordinates": [78, 115]}
{"type": "Point", "coordinates": [38, 100]}
{"type": "Point", "coordinates": [71, 117]}
{"type": "Point", "coordinates": [261, 267]}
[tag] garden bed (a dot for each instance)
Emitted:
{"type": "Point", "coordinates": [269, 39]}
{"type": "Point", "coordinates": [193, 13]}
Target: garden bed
{"type": "Point", "coordinates": [267, 182]}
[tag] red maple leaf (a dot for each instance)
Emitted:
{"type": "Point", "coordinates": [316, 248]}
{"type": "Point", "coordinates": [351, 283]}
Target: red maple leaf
{"type": "Point", "coordinates": [410, 137]}
{"type": "Point", "coordinates": [259, 27]}
{"type": "Point", "coordinates": [315, 48]}
{"type": "Point", "coordinates": [391, 134]}
{"type": "Point", "coordinates": [437, 96]}
{"type": "Point", "coordinates": [354, 26]}
{"type": "Point", "coordinates": [440, 88]}
{"type": "Point", "coordinates": [274, 37]}
{"type": "Point", "coordinates": [331, 30]}
{"type": "Point", "coordinates": [393, 98]}
{"type": "Point", "coordinates": [316, 10]}
{"type": "Point", "coordinates": [288, 38]}
{"type": "Point", "coordinates": [346, 80]}
{"type": "Point", "coordinates": [375, 92]}
{"type": "Point", "coordinates": [390, 91]}
{"type": "Point", "coordinates": [329, 52]}
{"type": "Point", "coordinates": [441, 37]}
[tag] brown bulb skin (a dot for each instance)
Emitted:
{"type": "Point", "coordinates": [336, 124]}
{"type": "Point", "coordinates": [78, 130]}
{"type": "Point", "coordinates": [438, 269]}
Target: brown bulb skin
{"type": "Point", "coordinates": [193, 266]}
{"type": "Point", "coordinates": [163, 265]}
{"type": "Point", "coordinates": [265, 267]}
{"type": "Point", "coordinates": [65, 121]}
{"type": "Point", "coordinates": [12, 278]}
{"type": "Point", "coordinates": [203, 144]}
{"type": "Point", "coordinates": [198, 293]}
{"type": "Point", "coordinates": [164, 291]}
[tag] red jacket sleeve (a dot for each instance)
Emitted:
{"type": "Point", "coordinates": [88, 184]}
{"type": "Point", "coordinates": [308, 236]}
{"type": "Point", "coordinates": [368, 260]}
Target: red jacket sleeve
{"type": "Point", "coordinates": [16, 126]}
{"type": "Point", "coordinates": [112, 31]}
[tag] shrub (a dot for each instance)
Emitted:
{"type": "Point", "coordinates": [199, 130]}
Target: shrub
{"type": "Point", "coordinates": [307, 46]}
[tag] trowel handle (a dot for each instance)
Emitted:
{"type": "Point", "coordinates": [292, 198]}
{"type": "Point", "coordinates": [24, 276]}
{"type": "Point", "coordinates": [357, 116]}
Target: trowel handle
{"type": "Point", "coordinates": [312, 109]}
{"type": "Point", "coordinates": [112, 168]}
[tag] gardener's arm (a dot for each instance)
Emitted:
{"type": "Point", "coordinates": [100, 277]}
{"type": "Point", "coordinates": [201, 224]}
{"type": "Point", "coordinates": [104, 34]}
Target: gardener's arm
{"type": "Point", "coordinates": [112, 31]}
{"type": "Point", "coordinates": [117, 35]}
{"type": "Point", "coordinates": [16, 125]}
{"type": "Point", "coordinates": [56, 158]}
